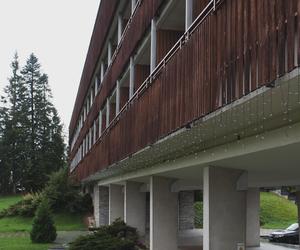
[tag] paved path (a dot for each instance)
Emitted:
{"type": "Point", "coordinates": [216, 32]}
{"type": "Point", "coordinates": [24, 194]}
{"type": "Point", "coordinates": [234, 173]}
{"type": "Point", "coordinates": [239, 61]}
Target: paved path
{"type": "Point", "coordinates": [65, 237]}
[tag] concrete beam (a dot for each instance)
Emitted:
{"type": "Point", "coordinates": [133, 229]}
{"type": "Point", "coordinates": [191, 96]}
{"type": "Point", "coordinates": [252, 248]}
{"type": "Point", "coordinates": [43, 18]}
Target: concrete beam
{"type": "Point", "coordinates": [186, 185]}
{"type": "Point", "coordinates": [163, 214]}
{"type": "Point", "coordinates": [223, 205]}
{"type": "Point", "coordinates": [135, 206]}
{"type": "Point", "coordinates": [116, 202]}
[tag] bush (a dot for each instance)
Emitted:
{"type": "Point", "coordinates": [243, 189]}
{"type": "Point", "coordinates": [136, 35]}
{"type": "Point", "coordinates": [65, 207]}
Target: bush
{"type": "Point", "coordinates": [198, 206]}
{"type": "Point", "coordinates": [26, 207]}
{"type": "Point", "coordinates": [43, 229]}
{"type": "Point", "coordinates": [64, 195]}
{"type": "Point", "coordinates": [117, 236]}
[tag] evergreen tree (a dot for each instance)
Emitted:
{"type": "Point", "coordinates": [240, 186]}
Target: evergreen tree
{"type": "Point", "coordinates": [31, 141]}
{"type": "Point", "coordinates": [43, 229]}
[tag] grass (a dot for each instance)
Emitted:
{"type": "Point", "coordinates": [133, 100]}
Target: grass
{"type": "Point", "coordinates": [63, 222]}
{"type": "Point", "coordinates": [7, 201]}
{"type": "Point", "coordinates": [276, 212]}
{"type": "Point", "coordinates": [20, 243]}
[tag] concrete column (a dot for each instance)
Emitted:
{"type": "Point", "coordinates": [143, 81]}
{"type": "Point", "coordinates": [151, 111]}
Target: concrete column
{"type": "Point", "coordinates": [101, 72]}
{"type": "Point", "coordinates": [120, 27]}
{"type": "Point", "coordinates": [109, 53]}
{"type": "Point", "coordinates": [96, 86]}
{"type": "Point", "coordinates": [131, 78]}
{"type": "Point", "coordinates": [101, 205]}
{"type": "Point", "coordinates": [116, 202]}
{"type": "Point", "coordinates": [186, 210]}
{"type": "Point", "coordinates": [91, 97]}
{"type": "Point", "coordinates": [253, 224]}
{"type": "Point", "coordinates": [133, 4]}
{"type": "Point", "coordinates": [224, 209]}
{"type": "Point", "coordinates": [107, 112]}
{"type": "Point", "coordinates": [153, 46]}
{"type": "Point", "coordinates": [188, 13]}
{"type": "Point", "coordinates": [135, 206]}
{"type": "Point", "coordinates": [100, 123]}
{"type": "Point", "coordinates": [118, 98]}
{"type": "Point", "coordinates": [163, 214]}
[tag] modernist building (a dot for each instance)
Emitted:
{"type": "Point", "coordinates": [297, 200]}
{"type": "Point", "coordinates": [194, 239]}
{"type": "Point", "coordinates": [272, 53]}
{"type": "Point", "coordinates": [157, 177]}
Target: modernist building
{"type": "Point", "coordinates": [185, 95]}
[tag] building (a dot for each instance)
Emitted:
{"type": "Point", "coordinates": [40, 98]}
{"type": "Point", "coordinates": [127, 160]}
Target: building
{"type": "Point", "coordinates": [183, 95]}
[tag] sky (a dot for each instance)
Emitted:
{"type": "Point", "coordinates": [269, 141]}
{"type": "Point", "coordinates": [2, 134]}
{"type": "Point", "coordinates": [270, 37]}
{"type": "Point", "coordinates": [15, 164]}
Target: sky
{"type": "Point", "coordinates": [58, 32]}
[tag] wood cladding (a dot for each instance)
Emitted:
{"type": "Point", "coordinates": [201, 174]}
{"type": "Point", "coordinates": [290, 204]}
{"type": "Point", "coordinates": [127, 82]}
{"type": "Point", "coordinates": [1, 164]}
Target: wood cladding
{"type": "Point", "coordinates": [242, 46]}
{"type": "Point", "coordinates": [141, 72]}
{"type": "Point", "coordinates": [166, 39]}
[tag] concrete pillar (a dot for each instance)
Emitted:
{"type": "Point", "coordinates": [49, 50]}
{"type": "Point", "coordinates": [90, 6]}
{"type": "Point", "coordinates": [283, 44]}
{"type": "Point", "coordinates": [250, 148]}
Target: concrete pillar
{"type": "Point", "coordinates": [96, 85]}
{"type": "Point", "coordinates": [224, 214]}
{"type": "Point", "coordinates": [101, 72]}
{"type": "Point", "coordinates": [135, 206]}
{"type": "Point", "coordinates": [107, 112]}
{"type": "Point", "coordinates": [188, 13]}
{"type": "Point", "coordinates": [163, 214]}
{"type": "Point", "coordinates": [253, 223]}
{"type": "Point", "coordinates": [186, 210]}
{"type": "Point", "coordinates": [120, 27]}
{"type": "Point", "coordinates": [131, 77]}
{"type": "Point", "coordinates": [100, 123]}
{"type": "Point", "coordinates": [118, 98]}
{"type": "Point", "coordinates": [95, 132]}
{"type": "Point", "coordinates": [153, 46]}
{"type": "Point", "coordinates": [109, 53]}
{"type": "Point", "coordinates": [133, 4]}
{"type": "Point", "coordinates": [100, 205]}
{"type": "Point", "coordinates": [116, 202]}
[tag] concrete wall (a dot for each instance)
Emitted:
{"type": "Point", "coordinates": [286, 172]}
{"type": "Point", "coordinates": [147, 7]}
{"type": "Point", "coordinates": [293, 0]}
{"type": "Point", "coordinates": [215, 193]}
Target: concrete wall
{"type": "Point", "coordinates": [186, 210]}
{"type": "Point", "coordinates": [253, 223]}
{"type": "Point", "coordinates": [116, 202]}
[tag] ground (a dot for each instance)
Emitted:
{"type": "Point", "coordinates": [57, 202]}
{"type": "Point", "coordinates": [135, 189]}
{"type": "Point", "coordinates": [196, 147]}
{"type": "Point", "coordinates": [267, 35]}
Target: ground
{"type": "Point", "coordinates": [14, 231]}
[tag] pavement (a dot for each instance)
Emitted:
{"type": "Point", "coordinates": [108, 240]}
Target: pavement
{"type": "Point", "coordinates": [65, 237]}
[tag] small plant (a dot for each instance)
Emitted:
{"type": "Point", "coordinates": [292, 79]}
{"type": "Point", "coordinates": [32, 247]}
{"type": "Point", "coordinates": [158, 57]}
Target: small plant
{"type": "Point", "coordinates": [43, 229]}
{"type": "Point", "coordinates": [117, 236]}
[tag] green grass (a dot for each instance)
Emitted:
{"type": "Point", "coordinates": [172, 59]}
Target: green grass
{"type": "Point", "coordinates": [20, 243]}
{"type": "Point", "coordinates": [63, 222]}
{"type": "Point", "coordinates": [7, 201]}
{"type": "Point", "coordinates": [276, 212]}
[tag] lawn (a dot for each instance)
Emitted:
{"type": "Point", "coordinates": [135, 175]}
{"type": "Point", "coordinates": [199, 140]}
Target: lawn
{"type": "Point", "coordinates": [7, 201]}
{"type": "Point", "coordinates": [20, 243]}
{"type": "Point", "coordinates": [276, 212]}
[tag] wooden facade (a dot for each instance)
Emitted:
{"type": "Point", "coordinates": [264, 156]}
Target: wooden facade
{"type": "Point", "coordinates": [240, 47]}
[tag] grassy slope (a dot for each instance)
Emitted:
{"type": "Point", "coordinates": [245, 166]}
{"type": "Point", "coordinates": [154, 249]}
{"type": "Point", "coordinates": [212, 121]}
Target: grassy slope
{"type": "Point", "coordinates": [276, 212]}
{"type": "Point", "coordinates": [7, 201]}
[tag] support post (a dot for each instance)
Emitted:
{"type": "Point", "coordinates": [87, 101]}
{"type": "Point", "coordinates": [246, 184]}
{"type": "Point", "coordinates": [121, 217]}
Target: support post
{"type": "Point", "coordinates": [96, 85]}
{"type": "Point", "coordinates": [131, 78]}
{"type": "Point", "coordinates": [253, 224]}
{"type": "Point", "coordinates": [100, 123]}
{"type": "Point", "coordinates": [95, 132]}
{"type": "Point", "coordinates": [163, 214]}
{"type": "Point", "coordinates": [135, 206]}
{"type": "Point", "coordinates": [153, 46]}
{"type": "Point", "coordinates": [107, 112]}
{"type": "Point", "coordinates": [120, 27]}
{"type": "Point", "coordinates": [118, 98]}
{"type": "Point", "coordinates": [223, 205]}
{"type": "Point", "coordinates": [109, 53]}
{"type": "Point", "coordinates": [188, 13]}
{"type": "Point", "coordinates": [102, 72]}
{"type": "Point", "coordinates": [116, 202]}
{"type": "Point", "coordinates": [133, 4]}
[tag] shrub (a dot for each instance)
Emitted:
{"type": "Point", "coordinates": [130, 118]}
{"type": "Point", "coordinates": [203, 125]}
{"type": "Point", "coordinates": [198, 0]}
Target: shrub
{"type": "Point", "coordinates": [63, 194]}
{"type": "Point", "coordinates": [117, 236]}
{"type": "Point", "coordinates": [198, 206]}
{"type": "Point", "coordinates": [43, 229]}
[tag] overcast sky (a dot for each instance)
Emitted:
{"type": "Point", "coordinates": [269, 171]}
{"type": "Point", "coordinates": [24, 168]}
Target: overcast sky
{"type": "Point", "coordinates": [58, 32]}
